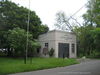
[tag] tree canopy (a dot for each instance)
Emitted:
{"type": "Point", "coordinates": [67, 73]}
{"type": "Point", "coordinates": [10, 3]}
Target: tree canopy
{"type": "Point", "coordinates": [17, 40]}
{"type": "Point", "coordinates": [89, 32]}
{"type": "Point", "coordinates": [17, 16]}
{"type": "Point", "coordinates": [92, 17]}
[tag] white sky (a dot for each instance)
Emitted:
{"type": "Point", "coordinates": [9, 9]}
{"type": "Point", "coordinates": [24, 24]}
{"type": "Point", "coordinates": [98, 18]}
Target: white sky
{"type": "Point", "coordinates": [47, 9]}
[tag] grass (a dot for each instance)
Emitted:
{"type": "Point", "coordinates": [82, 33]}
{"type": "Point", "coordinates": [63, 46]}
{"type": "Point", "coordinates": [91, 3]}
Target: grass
{"type": "Point", "coordinates": [10, 65]}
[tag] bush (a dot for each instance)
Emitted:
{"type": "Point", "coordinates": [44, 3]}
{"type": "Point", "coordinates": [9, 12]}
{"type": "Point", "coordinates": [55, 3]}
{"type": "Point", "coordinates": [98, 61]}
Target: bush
{"type": "Point", "coordinates": [51, 52]}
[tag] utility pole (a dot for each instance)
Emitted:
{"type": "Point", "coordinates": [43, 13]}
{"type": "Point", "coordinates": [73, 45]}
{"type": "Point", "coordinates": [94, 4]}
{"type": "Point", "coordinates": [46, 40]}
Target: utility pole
{"type": "Point", "coordinates": [27, 41]}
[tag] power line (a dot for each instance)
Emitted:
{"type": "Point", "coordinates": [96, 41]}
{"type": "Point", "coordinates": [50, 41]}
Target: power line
{"type": "Point", "coordinates": [76, 21]}
{"type": "Point", "coordinates": [69, 25]}
{"type": "Point", "coordinates": [78, 10]}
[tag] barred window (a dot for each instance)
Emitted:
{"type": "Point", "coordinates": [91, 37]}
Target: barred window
{"type": "Point", "coordinates": [46, 45]}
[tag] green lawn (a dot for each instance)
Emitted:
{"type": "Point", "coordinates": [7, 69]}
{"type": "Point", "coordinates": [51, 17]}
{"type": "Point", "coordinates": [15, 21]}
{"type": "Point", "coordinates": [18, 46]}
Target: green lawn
{"type": "Point", "coordinates": [10, 65]}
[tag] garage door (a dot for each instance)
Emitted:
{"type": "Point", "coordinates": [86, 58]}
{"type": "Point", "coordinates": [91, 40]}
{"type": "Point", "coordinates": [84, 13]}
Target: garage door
{"type": "Point", "coordinates": [63, 50]}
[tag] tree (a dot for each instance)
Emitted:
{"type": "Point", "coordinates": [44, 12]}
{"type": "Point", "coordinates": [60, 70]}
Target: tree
{"type": "Point", "coordinates": [96, 36]}
{"type": "Point", "coordinates": [16, 16]}
{"type": "Point", "coordinates": [13, 16]}
{"type": "Point", "coordinates": [86, 44]}
{"type": "Point", "coordinates": [92, 24]}
{"type": "Point", "coordinates": [62, 22]}
{"type": "Point", "coordinates": [41, 29]}
{"type": "Point", "coordinates": [84, 40]}
{"type": "Point", "coordinates": [17, 41]}
{"type": "Point", "coordinates": [92, 16]}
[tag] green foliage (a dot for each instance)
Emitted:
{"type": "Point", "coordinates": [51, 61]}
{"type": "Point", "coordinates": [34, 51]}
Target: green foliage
{"type": "Point", "coordinates": [17, 41]}
{"type": "Point", "coordinates": [16, 16]}
{"type": "Point", "coordinates": [9, 65]}
{"type": "Point", "coordinates": [88, 39]}
{"type": "Point", "coordinates": [84, 40]}
{"type": "Point", "coordinates": [92, 17]}
{"type": "Point", "coordinates": [89, 33]}
{"type": "Point", "coordinates": [13, 19]}
{"type": "Point", "coordinates": [51, 52]}
{"type": "Point", "coordinates": [96, 36]}
{"type": "Point", "coordinates": [40, 30]}
{"type": "Point", "coordinates": [17, 38]}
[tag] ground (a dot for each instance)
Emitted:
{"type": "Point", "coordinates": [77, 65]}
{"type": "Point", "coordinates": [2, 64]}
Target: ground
{"type": "Point", "coordinates": [86, 67]}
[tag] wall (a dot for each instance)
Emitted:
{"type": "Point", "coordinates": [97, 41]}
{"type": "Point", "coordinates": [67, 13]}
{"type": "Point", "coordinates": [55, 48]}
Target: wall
{"type": "Point", "coordinates": [47, 38]}
{"type": "Point", "coordinates": [65, 37]}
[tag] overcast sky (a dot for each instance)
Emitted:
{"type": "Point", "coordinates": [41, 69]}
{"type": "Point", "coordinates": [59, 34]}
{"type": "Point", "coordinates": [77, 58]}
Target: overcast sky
{"type": "Point", "coordinates": [47, 9]}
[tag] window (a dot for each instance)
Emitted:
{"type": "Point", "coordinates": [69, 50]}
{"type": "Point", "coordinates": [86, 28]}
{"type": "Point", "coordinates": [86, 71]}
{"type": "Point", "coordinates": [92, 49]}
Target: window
{"type": "Point", "coordinates": [38, 50]}
{"type": "Point", "coordinates": [46, 45]}
{"type": "Point", "coordinates": [73, 48]}
{"type": "Point", "coordinates": [45, 49]}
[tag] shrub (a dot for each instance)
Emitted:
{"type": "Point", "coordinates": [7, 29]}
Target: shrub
{"type": "Point", "coordinates": [51, 52]}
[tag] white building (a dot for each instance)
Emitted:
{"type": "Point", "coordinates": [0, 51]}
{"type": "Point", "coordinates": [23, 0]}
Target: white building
{"type": "Point", "coordinates": [64, 43]}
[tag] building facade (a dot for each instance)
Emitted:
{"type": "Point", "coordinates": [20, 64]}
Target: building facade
{"type": "Point", "coordinates": [63, 43]}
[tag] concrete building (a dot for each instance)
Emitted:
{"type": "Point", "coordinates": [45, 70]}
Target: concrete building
{"type": "Point", "coordinates": [63, 43]}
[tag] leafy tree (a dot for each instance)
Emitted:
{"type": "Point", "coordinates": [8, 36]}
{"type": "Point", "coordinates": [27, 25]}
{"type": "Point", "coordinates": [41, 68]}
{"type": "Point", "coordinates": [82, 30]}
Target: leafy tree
{"type": "Point", "coordinates": [16, 16]}
{"type": "Point", "coordinates": [13, 16]}
{"type": "Point", "coordinates": [96, 36]}
{"type": "Point", "coordinates": [92, 16]}
{"type": "Point", "coordinates": [17, 40]}
{"type": "Point", "coordinates": [84, 40]}
{"type": "Point", "coordinates": [41, 29]}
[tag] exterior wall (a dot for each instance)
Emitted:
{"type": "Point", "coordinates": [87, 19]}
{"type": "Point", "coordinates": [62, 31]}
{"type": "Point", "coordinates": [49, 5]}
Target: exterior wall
{"type": "Point", "coordinates": [47, 38]}
{"type": "Point", "coordinates": [66, 37]}
{"type": "Point", "coordinates": [53, 38]}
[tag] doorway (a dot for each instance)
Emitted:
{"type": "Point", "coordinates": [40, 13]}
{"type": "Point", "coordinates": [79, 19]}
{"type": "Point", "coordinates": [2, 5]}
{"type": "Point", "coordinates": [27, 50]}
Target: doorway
{"type": "Point", "coordinates": [63, 49]}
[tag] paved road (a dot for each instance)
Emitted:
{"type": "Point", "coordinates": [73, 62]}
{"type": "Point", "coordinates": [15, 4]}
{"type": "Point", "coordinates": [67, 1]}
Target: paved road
{"type": "Point", "coordinates": [91, 67]}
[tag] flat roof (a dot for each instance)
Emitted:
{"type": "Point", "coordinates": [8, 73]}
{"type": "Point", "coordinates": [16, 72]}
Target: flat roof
{"type": "Point", "coordinates": [61, 31]}
{"type": "Point", "coordinates": [58, 31]}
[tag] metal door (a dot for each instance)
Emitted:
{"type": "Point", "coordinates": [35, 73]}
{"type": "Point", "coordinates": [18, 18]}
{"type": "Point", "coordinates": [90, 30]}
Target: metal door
{"type": "Point", "coordinates": [63, 49]}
